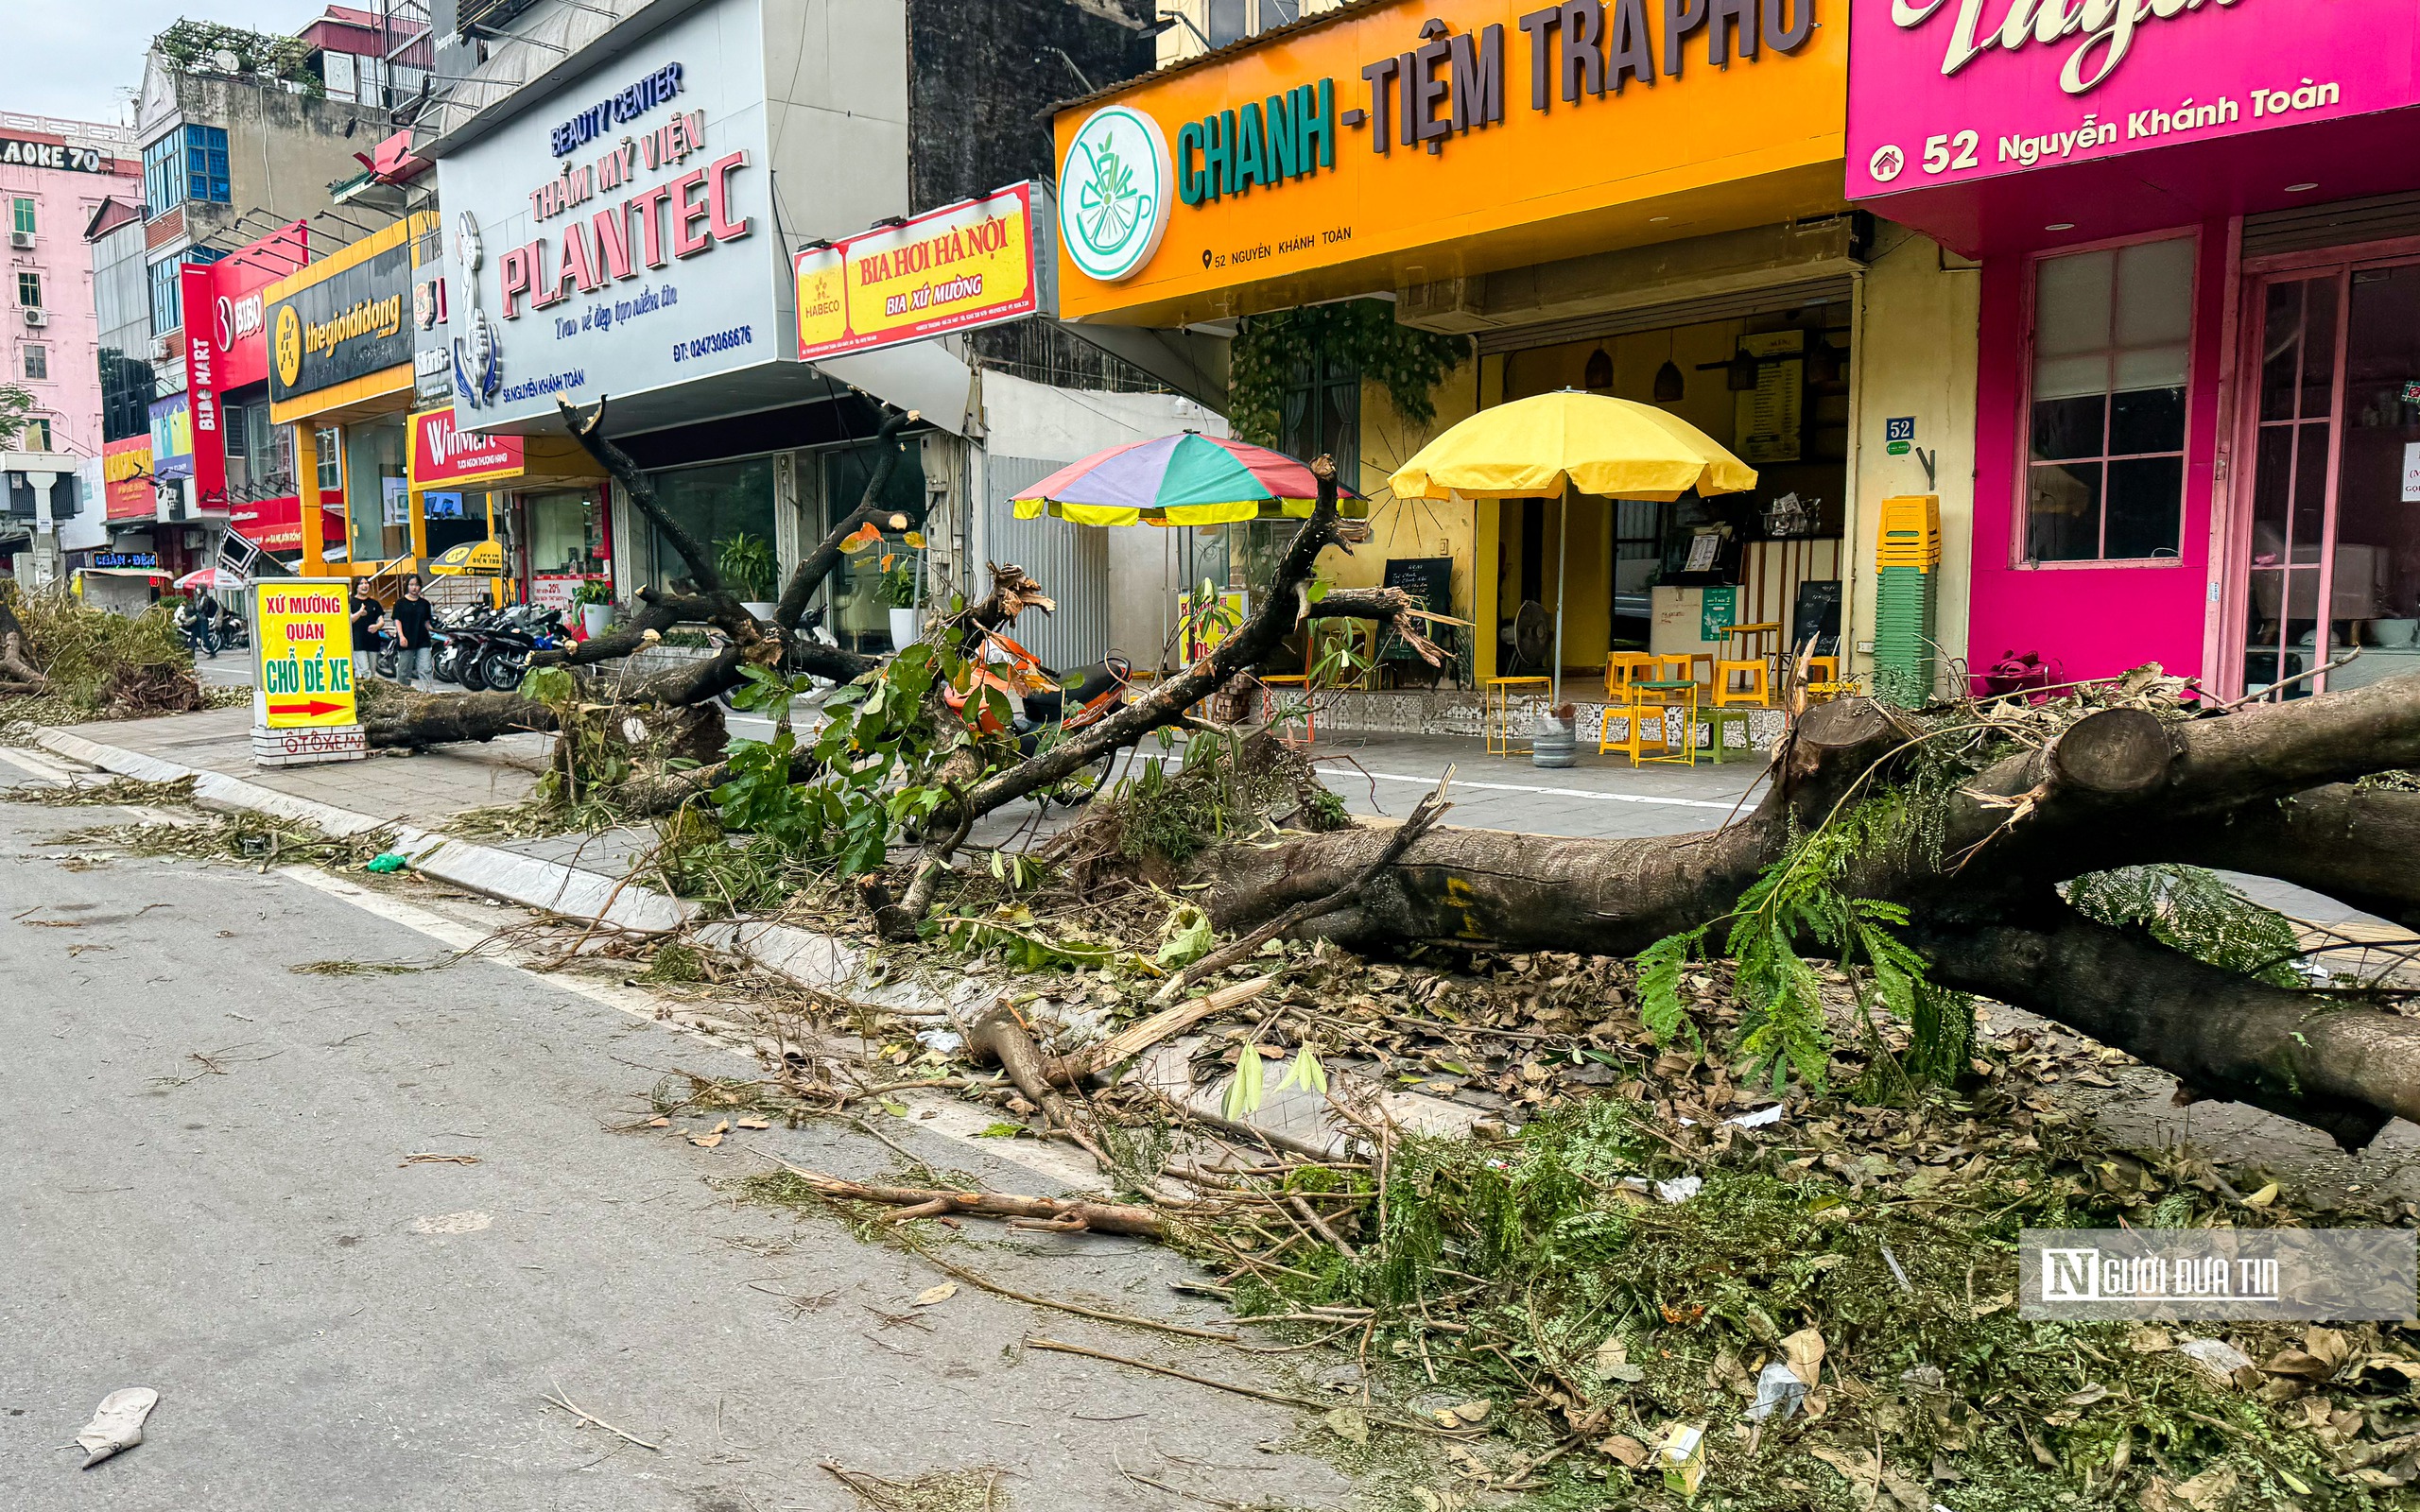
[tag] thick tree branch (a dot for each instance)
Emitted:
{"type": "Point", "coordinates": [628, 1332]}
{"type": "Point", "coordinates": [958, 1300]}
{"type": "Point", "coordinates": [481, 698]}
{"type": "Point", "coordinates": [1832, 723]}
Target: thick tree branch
{"type": "Point", "coordinates": [2341, 1069]}
{"type": "Point", "coordinates": [1165, 703]}
{"type": "Point", "coordinates": [818, 563]}
{"type": "Point", "coordinates": [2356, 846]}
{"type": "Point", "coordinates": [588, 430]}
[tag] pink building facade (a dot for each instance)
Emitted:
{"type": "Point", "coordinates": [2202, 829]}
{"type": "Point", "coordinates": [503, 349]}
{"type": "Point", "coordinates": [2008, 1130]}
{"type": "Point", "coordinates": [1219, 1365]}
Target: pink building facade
{"type": "Point", "coordinates": [52, 176]}
{"type": "Point", "coordinates": [2197, 414]}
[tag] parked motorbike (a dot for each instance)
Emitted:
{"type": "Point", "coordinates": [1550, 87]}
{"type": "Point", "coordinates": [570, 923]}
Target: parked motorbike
{"type": "Point", "coordinates": [455, 636]}
{"type": "Point", "coordinates": [234, 633]}
{"type": "Point", "coordinates": [496, 655]}
{"type": "Point", "coordinates": [1042, 707]}
{"type": "Point", "coordinates": [385, 644]}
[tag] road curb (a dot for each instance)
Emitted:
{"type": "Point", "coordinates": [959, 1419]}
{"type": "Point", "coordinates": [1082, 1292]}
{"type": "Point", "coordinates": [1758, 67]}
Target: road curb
{"type": "Point", "coordinates": [1294, 1119]}
{"type": "Point", "coordinates": [481, 869]}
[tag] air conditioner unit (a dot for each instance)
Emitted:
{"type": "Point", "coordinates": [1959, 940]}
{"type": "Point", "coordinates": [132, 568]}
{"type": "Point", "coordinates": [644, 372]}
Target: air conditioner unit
{"type": "Point", "coordinates": [22, 240]}
{"type": "Point", "coordinates": [37, 316]}
{"type": "Point", "coordinates": [158, 348]}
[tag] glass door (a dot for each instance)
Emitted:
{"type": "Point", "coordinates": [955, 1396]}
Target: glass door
{"type": "Point", "coordinates": [2334, 547]}
{"type": "Point", "coordinates": [2374, 557]}
{"type": "Point", "coordinates": [2294, 481]}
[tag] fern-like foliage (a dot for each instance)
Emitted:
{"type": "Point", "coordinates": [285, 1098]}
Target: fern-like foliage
{"type": "Point", "coordinates": [2194, 911]}
{"type": "Point", "coordinates": [1798, 907]}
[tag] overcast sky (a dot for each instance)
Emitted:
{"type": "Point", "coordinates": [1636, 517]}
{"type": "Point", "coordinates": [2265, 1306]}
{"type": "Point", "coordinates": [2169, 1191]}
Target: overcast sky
{"type": "Point", "coordinates": [83, 58]}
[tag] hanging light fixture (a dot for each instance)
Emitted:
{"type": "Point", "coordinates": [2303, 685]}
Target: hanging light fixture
{"type": "Point", "coordinates": [1599, 374]}
{"type": "Point", "coordinates": [1669, 386]}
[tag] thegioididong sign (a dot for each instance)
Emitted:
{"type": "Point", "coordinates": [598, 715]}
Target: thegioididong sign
{"type": "Point", "coordinates": [348, 321]}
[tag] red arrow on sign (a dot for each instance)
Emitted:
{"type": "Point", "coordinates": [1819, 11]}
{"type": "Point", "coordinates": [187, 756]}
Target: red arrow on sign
{"type": "Point", "coordinates": [314, 707]}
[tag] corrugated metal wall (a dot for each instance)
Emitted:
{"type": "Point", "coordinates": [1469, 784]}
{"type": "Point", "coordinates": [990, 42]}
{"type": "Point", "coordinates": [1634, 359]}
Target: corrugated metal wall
{"type": "Point", "coordinates": [1071, 562]}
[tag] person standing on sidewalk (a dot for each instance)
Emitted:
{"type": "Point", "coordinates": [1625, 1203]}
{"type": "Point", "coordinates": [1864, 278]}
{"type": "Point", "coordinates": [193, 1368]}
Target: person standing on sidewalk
{"type": "Point", "coordinates": [413, 668]}
{"type": "Point", "coordinates": [364, 613]}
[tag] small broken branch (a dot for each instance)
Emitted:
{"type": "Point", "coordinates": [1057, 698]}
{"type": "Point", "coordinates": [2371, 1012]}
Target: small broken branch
{"type": "Point", "coordinates": [1100, 1218]}
{"type": "Point", "coordinates": [1167, 1023]}
{"type": "Point", "coordinates": [566, 1404]}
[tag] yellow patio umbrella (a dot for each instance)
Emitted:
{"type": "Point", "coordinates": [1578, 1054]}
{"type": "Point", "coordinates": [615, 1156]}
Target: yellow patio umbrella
{"type": "Point", "coordinates": [1593, 444]}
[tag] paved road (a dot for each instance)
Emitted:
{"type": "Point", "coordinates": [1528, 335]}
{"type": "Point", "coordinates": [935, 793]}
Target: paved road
{"type": "Point", "coordinates": [206, 1195]}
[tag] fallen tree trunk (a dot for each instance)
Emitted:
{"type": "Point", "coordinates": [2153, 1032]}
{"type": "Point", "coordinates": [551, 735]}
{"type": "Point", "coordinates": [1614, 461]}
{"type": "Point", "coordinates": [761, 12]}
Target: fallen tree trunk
{"type": "Point", "coordinates": [18, 675]}
{"type": "Point", "coordinates": [1980, 878]}
{"type": "Point", "coordinates": [2118, 788]}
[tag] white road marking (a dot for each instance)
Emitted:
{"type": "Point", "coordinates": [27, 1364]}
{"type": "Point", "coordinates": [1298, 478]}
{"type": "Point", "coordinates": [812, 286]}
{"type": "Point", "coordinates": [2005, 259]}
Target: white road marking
{"type": "Point", "coordinates": [27, 761]}
{"type": "Point", "coordinates": [1546, 792]}
{"type": "Point", "coordinates": [937, 1113]}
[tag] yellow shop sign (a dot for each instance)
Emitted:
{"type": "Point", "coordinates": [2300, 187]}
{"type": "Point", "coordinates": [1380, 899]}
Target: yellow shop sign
{"type": "Point", "coordinates": [305, 640]}
{"type": "Point", "coordinates": [950, 270]}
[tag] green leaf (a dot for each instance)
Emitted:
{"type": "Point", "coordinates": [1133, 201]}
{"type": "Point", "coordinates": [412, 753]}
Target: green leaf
{"type": "Point", "coordinates": [1306, 1072]}
{"type": "Point", "coordinates": [1244, 1092]}
{"type": "Point", "coordinates": [1188, 936]}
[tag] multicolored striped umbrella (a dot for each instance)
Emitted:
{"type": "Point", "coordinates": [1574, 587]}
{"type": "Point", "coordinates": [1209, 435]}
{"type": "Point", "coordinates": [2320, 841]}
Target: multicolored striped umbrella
{"type": "Point", "coordinates": [1190, 479]}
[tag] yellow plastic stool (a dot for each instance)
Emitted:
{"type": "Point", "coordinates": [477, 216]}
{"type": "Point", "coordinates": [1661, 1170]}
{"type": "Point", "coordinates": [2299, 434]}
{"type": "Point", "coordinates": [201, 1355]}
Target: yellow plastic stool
{"type": "Point", "coordinates": [1758, 693]}
{"type": "Point", "coordinates": [1622, 668]}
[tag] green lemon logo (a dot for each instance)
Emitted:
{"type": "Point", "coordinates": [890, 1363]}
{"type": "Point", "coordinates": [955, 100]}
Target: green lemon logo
{"type": "Point", "coordinates": [1114, 192]}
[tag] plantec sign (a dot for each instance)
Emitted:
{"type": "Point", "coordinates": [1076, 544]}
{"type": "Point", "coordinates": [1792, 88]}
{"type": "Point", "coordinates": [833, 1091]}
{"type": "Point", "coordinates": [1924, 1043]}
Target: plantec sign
{"type": "Point", "coordinates": [615, 235]}
{"type": "Point", "coordinates": [949, 269]}
{"type": "Point", "coordinates": [1953, 91]}
{"type": "Point", "coordinates": [1401, 142]}
{"type": "Point", "coordinates": [304, 677]}
{"type": "Point", "coordinates": [444, 455]}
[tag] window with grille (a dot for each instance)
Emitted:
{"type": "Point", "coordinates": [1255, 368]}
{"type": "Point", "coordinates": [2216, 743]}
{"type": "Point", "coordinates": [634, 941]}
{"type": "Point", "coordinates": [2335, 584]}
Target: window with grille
{"type": "Point", "coordinates": [2112, 342]}
{"type": "Point", "coordinates": [37, 361]}
{"type": "Point", "coordinates": [190, 162]}
{"type": "Point", "coordinates": [331, 461]}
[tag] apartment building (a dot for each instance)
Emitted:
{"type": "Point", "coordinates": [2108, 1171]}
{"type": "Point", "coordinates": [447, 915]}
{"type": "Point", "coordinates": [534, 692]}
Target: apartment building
{"type": "Point", "coordinates": [54, 177]}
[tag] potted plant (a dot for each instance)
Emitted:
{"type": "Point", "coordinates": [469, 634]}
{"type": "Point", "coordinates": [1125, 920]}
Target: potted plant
{"type": "Point", "coordinates": [596, 600]}
{"type": "Point", "coordinates": [898, 593]}
{"type": "Point", "coordinates": [748, 566]}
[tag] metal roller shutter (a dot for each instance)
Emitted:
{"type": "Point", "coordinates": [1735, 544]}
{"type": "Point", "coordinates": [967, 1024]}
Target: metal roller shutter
{"type": "Point", "coordinates": [1071, 562]}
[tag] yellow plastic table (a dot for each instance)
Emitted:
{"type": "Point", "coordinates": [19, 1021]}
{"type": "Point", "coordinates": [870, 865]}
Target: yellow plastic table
{"type": "Point", "coordinates": [1495, 710]}
{"type": "Point", "coordinates": [1679, 694]}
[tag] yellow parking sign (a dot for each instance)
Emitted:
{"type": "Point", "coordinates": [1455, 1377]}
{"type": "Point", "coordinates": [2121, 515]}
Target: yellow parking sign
{"type": "Point", "coordinates": [304, 677]}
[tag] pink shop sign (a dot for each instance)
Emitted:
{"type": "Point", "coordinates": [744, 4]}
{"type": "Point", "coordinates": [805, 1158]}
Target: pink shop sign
{"type": "Point", "coordinates": [1949, 91]}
